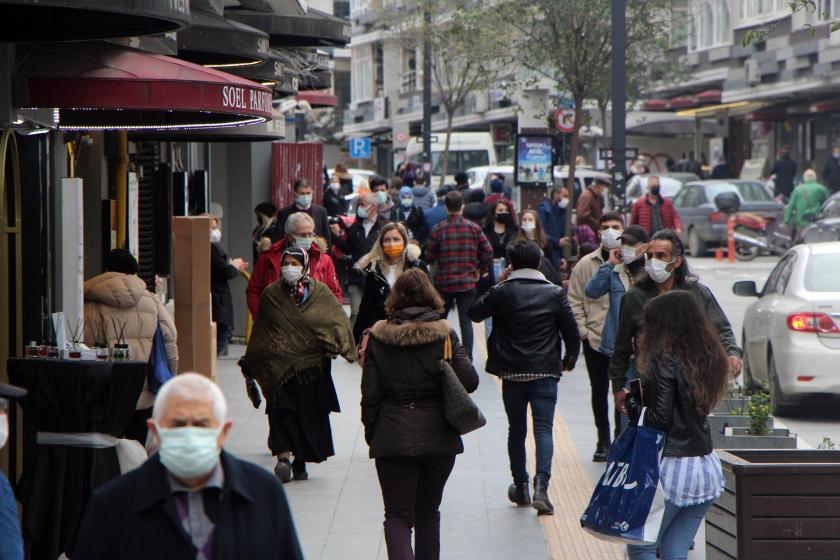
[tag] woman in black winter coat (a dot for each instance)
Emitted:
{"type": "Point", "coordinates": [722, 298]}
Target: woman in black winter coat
{"type": "Point", "coordinates": [402, 411]}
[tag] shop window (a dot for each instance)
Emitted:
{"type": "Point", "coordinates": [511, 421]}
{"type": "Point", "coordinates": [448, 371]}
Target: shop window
{"type": "Point", "coordinates": [828, 9]}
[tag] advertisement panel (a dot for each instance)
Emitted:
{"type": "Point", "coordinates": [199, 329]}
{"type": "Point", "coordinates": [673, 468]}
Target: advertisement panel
{"type": "Point", "coordinates": [534, 160]}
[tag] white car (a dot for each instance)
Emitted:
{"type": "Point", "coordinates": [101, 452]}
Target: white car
{"type": "Point", "coordinates": [358, 176]}
{"type": "Point", "coordinates": [791, 336]}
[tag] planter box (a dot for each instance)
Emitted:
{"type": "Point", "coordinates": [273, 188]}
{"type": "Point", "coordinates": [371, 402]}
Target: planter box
{"type": "Point", "coordinates": [732, 405]}
{"type": "Point", "coordinates": [719, 422]}
{"type": "Point", "coordinates": [740, 438]}
{"type": "Point", "coordinates": [777, 505]}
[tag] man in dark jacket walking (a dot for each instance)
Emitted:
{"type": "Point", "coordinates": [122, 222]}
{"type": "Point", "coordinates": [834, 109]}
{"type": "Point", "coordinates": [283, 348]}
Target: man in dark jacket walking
{"type": "Point", "coordinates": [192, 500]}
{"type": "Point", "coordinates": [222, 271]}
{"type": "Point", "coordinates": [831, 171]}
{"type": "Point", "coordinates": [784, 170]}
{"type": "Point", "coordinates": [303, 203]}
{"type": "Point", "coordinates": [590, 204]}
{"type": "Point", "coordinates": [529, 316]}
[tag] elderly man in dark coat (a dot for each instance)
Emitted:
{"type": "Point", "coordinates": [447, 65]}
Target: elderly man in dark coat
{"type": "Point", "coordinates": [192, 500]}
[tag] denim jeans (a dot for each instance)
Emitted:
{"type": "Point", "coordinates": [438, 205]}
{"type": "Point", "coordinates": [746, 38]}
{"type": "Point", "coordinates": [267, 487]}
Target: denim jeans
{"type": "Point", "coordinates": [679, 526]}
{"type": "Point", "coordinates": [463, 300]}
{"type": "Point", "coordinates": [541, 394]}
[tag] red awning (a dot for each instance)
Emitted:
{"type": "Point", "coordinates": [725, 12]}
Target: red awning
{"type": "Point", "coordinates": [318, 98]}
{"type": "Point", "coordinates": [681, 102]}
{"type": "Point", "coordinates": [824, 107]}
{"type": "Point", "coordinates": [107, 87]}
{"type": "Point", "coordinates": [709, 96]}
{"type": "Point", "coordinates": [655, 105]}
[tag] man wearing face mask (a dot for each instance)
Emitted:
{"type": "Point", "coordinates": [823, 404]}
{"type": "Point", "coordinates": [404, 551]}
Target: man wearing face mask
{"type": "Point", "coordinates": [667, 269]}
{"type": "Point", "coordinates": [222, 271]}
{"type": "Point", "coordinates": [334, 202]}
{"type": "Point", "coordinates": [831, 171]}
{"type": "Point", "coordinates": [361, 237]}
{"type": "Point", "coordinates": [591, 315]}
{"type": "Point", "coordinates": [384, 204]}
{"type": "Point", "coordinates": [300, 232]}
{"type": "Point", "coordinates": [192, 500]}
{"type": "Point", "coordinates": [655, 212]}
{"type": "Point", "coordinates": [412, 217]}
{"type": "Point", "coordinates": [11, 543]}
{"type": "Point", "coordinates": [304, 202]}
{"type": "Point", "coordinates": [552, 212]}
{"type": "Point", "coordinates": [590, 204]}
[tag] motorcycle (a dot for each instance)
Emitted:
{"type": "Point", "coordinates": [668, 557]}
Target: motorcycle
{"type": "Point", "coordinates": [753, 234]}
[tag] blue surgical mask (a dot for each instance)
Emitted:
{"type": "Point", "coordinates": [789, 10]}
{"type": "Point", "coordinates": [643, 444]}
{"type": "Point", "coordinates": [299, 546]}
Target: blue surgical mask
{"type": "Point", "coordinates": [363, 212]}
{"type": "Point", "coordinates": [189, 452]}
{"type": "Point", "coordinates": [407, 201]}
{"type": "Point", "coordinates": [303, 200]}
{"type": "Point", "coordinates": [381, 197]}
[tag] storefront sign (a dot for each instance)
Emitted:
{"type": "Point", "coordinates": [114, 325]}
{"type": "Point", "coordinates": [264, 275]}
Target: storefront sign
{"type": "Point", "coordinates": [237, 97]}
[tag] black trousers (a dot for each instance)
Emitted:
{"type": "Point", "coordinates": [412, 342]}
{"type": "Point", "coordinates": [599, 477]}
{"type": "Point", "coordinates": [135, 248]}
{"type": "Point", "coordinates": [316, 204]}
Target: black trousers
{"type": "Point", "coordinates": [464, 301]}
{"type": "Point", "coordinates": [412, 489]}
{"type": "Point", "coordinates": [598, 365]}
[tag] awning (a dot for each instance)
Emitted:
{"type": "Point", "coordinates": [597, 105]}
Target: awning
{"type": "Point", "coordinates": [74, 20]}
{"type": "Point", "coordinates": [655, 105]}
{"type": "Point", "coordinates": [312, 29]}
{"type": "Point", "coordinates": [268, 74]}
{"type": "Point", "coordinates": [107, 87]}
{"type": "Point", "coordinates": [219, 42]}
{"type": "Point", "coordinates": [708, 96]}
{"type": "Point", "coordinates": [270, 131]}
{"type": "Point", "coordinates": [318, 99]}
{"type": "Point", "coordinates": [317, 80]}
{"type": "Point", "coordinates": [681, 102]}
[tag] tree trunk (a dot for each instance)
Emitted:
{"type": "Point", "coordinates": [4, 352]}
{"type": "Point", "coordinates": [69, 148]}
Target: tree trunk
{"type": "Point", "coordinates": [444, 168]}
{"type": "Point", "coordinates": [573, 153]}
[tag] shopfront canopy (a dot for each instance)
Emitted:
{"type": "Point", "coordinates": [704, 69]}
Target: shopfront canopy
{"type": "Point", "coordinates": [310, 29]}
{"type": "Point", "coordinates": [219, 42]}
{"type": "Point", "coordinates": [74, 20]}
{"type": "Point", "coordinates": [318, 99]}
{"type": "Point", "coordinates": [108, 87]}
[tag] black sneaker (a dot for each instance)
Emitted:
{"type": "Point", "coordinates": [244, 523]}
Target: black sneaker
{"type": "Point", "coordinates": [601, 451]}
{"type": "Point", "coordinates": [283, 469]}
{"type": "Point", "coordinates": [541, 503]}
{"type": "Point", "coordinates": [519, 494]}
{"type": "Point", "coordinates": [299, 470]}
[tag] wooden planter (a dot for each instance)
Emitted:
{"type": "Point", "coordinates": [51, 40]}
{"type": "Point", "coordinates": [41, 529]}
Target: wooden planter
{"type": "Point", "coordinates": [778, 505]}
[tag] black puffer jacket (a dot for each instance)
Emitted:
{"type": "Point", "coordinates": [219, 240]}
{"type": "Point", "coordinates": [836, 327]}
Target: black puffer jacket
{"type": "Point", "coordinates": [402, 400]}
{"type": "Point", "coordinates": [529, 314]}
{"type": "Point", "coordinates": [671, 411]}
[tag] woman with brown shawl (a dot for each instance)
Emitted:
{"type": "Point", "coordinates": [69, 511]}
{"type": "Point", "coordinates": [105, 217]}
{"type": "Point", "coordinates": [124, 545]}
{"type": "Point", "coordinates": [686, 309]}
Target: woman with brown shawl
{"type": "Point", "coordinates": [300, 326]}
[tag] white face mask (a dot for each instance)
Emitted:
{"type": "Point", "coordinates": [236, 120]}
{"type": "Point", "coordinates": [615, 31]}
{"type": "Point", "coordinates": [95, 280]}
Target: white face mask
{"type": "Point", "coordinates": [335, 186]}
{"type": "Point", "coordinates": [304, 242]}
{"type": "Point", "coordinates": [628, 254]}
{"type": "Point", "coordinates": [564, 202]}
{"type": "Point", "coordinates": [610, 238]}
{"type": "Point", "coordinates": [657, 270]}
{"type": "Point", "coordinates": [528, 227]}
{"type": "Point", "coordinates": [215, 235]}
{"type": "Point", "coordinates": [381, 197]}
{"type": "Point", "coordinates": [4, 429]}
{"type": "Point", "coordinates": [291, 274]}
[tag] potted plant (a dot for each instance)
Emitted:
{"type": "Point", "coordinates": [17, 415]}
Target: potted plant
{"type": "Point", "coordinates": [759, 433]}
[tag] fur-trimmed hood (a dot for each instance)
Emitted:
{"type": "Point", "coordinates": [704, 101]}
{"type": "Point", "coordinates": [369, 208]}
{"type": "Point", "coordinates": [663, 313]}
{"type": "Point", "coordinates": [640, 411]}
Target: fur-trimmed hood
{"type": "Point", "coordinates": [411, 333]}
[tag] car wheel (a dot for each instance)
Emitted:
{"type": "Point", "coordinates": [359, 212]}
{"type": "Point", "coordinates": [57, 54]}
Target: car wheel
{"type": "Point", "coordinates": [749, 381]}
{"type": "Point", "coordinates": [696, 246]}
{"type": "Point", "coordinates": [779, 405]}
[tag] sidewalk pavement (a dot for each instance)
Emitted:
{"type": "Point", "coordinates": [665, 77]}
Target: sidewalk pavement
{"type": "Point", "coordinates": [338, 511]}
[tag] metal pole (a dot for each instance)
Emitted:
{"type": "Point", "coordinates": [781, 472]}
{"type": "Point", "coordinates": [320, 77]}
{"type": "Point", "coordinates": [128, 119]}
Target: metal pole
{"type": "Point", "coordinates": [427, 98]}
{"type": "Point", "coordinates": [619, 98]}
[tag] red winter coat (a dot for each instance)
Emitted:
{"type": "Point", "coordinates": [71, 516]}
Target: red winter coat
{"type": "Point", "coordinates": [267, 271]}
{"type": "Point", "coordinates": [640, 214]}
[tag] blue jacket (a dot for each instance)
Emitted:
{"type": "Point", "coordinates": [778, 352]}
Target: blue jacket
{"type": "Point", "coordinates": [435, 215]}
{"type": "Point", "coordinates": [11, 544]}
{"type": "Point", "coordinates": [553, 219]}
{"type": "Point", "coordinates": [613, 280]}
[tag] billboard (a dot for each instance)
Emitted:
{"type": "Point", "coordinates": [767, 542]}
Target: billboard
{"type": "Point", "coordinates": [534, 160]}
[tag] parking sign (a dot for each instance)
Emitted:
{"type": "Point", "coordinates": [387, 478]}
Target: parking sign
{"type": "Point", "coordinates": [360, 147]}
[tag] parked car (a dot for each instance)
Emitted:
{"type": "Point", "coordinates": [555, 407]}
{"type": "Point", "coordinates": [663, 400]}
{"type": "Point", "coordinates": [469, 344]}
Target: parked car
{"type": "Point", "coordinates": [358, 176]}
{"type": "Point", "coordinates": [637, 186]}
{"type": "Point", "coordinates": [682, 176]}
{"type": "Point", "coordinates": [826, 226]}
{"type": "Point", "coordinates": [791, 335]}
{"type": "Point", "coordinates": [704, 225]}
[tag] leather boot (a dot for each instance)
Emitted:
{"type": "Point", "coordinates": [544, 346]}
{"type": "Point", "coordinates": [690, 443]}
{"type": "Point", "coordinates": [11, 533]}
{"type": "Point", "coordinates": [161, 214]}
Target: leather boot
{"type": "Point", "coordinates": [601, 451]}
{"type": "Point", "coordinates": [299, 470]}
{"type": "Point", "coordinates": [283, 469]}
{"type": "Point", "coordinates": [541, 502]}
{"type": "Point", "coordinates": [519, 494]}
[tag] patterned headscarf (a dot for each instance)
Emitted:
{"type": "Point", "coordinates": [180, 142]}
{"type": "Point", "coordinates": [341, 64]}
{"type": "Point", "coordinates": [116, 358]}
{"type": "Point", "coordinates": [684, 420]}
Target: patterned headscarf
{"type": "Point", "coordinates": [298, 289]}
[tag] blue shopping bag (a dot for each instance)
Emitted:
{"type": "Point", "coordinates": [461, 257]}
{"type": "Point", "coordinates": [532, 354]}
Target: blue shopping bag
{"type": "Point", "coordinates": [159, 361]}
{"type": "Point", "coordinates": [628, 502]}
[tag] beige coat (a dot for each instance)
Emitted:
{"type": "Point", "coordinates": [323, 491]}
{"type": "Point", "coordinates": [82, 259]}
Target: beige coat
{"type": "Point", "coordinates": [590, 314]}
{"type": "Point", "coordinates": [124, 298]}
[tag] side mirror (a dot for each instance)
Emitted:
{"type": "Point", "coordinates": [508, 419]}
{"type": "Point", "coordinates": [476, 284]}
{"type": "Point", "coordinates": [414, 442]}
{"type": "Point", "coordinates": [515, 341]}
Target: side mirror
{"type": "Point", "coordinates": [745, 288]}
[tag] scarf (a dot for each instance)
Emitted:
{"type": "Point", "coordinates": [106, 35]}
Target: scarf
{"type": "Point", "coordinates": [292, 341]}
{"type": "Point", "coordinates": [297, 289]}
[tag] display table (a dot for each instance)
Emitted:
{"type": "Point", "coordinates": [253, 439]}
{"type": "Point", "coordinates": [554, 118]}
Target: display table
{"type": "Point", "coordinates": [69, 396]}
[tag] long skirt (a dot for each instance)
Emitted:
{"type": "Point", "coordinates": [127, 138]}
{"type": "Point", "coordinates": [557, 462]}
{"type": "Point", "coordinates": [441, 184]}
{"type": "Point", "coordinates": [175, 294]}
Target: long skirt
{"type": "Point", "coordinates": [299, 417]}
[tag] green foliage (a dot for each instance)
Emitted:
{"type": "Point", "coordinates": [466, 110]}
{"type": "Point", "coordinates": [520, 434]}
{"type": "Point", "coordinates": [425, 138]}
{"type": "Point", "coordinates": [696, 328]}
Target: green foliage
{"type": "Point", "coordinates": [826, 443]}
{"type": "Point", "coordinates": [759, 412]}
{"type": "Point", "coordinates": [758, 35]}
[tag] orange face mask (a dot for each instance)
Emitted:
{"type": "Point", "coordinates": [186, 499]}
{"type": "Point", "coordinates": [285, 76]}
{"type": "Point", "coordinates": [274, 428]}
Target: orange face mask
{"type": "Point", "coordinates": [393, 251]}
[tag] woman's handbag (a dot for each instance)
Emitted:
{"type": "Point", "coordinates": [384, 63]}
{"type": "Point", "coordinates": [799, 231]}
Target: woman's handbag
{"type": "Point", "coordinates": [458, 407]}
{"type": "Point", "coordinates": [362, 348]}
{"type": "Point", "coordinates": [628, 502]}
{"type": "Point", "coordinates": [158, 360]}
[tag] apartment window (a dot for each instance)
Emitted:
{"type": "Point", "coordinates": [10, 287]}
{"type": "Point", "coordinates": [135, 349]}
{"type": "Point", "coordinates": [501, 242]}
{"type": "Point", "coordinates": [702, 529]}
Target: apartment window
{"type": "Point", "coordinates": [828, 9]}
{"type": "Point", "coordinates": [760, 8]}
{"type": "Point", "coordinates": [724, 25]}
{"type": "Point", "coordinates": [361, 74]}
{"type": "Point", "coordinates": [711, 25]}
{"type": "Point", "coordinates": [359, 7]}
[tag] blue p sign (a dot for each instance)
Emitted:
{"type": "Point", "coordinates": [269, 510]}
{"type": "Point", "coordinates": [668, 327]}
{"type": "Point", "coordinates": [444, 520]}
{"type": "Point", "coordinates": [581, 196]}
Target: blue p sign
{"type": "Point", "coordinates": [360, 148]}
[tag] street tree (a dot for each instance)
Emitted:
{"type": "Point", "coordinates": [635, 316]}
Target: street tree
{"type": "Point", "coordinates": [469, 44]}
{"type": "Point", "coordinates": [569, 43]}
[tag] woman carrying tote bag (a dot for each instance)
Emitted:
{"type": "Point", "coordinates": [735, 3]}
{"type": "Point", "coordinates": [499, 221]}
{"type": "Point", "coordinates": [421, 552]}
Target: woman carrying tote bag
{"type": "Point", "coordinates": [413, 444]}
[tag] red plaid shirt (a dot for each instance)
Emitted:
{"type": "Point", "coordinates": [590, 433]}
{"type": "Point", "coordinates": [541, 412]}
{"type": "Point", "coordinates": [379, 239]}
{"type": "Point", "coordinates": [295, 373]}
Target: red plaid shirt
{"type": "Point", "coordinates": [461, 250]}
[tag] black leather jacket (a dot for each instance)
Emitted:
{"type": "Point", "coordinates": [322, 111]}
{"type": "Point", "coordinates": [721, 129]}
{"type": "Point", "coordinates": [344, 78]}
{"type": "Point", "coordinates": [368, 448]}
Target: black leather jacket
{"type": "Point", "coordinates": [529, 315]}
{"type": "Point", "coordinates": [671, 411]}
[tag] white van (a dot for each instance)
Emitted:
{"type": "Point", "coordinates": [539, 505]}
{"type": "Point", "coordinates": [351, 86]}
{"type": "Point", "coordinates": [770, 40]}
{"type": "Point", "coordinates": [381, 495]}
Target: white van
{"type": "Point", "coordinates": [466, 150]}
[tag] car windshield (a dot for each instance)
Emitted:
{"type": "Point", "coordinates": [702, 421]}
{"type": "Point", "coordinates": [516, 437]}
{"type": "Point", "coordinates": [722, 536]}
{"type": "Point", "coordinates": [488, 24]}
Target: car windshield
{"type": "Point", "coordinates": [821, 273]}
{"type": "Point", "coordinates": [747, 192]}
{"type": "Point", "coordinates": [459, 160]}
{"type": "Point", "coordinates": [831, 208]}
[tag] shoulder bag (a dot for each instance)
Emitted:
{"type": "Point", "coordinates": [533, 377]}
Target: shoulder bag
{"type": "Point", "coordinates": [458, 407]}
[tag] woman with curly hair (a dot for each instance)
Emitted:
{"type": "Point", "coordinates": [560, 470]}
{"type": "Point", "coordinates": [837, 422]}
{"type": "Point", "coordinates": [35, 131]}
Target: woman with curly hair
{"type": "Point", "coordinates": [684, 371]}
